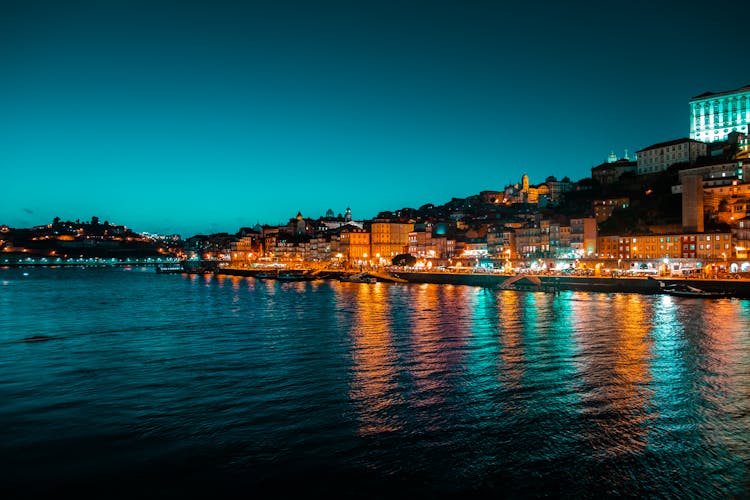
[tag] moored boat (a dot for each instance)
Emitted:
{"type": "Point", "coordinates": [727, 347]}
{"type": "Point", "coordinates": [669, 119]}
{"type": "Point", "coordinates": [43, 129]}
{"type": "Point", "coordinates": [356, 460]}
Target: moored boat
{"type": "Point", "coordinates": [359, 278]}
{"type": "Point", "coordinates": [685, 290]}
{"type": "Point", "coordinates": [295, 277]}
{"type": "Point", "coordinates": [176, 269]}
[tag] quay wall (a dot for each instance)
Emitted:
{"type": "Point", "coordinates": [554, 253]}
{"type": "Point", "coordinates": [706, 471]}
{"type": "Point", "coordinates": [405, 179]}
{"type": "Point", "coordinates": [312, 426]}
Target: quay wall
{"type": "Point", "coordinates": [643, 285]}
{"type": "Point", "coordinates": [740, 288]}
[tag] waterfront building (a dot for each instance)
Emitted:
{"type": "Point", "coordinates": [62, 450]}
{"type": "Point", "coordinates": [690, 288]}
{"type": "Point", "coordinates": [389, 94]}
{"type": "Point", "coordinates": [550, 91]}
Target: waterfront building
{"type": "Point", "coordinates": [603, 208]}
{"type": "Point", "coordinates": [714, 115]}
{"type": "Point", "coordinates": [323, 247]}
{"type": "Point", "coordinates": [608, 247]}
{"type": "Point", "coordinates": [583, 233]}
{"type": "Point", "coordinates": [354, 244]}
{"type": "Point", "coordinates": [425, 243]}
{"type": "Point", "coordinates": [529, 241]}
{"type": "Point", "coordinates": [501, 242]}
{"type": "Point", "coordinates": [390, 238]}
{"type": "Point", "coordinates": [292, 247]}
{"type": "Point", "coordinates": [563, 248]}
{"type": "Point", "coordinates": [245, 250]}
{"type": "Point", "coordinates": [741, 238]}
{"type": "Point", "coordinates": [658, 157]}
{"type": "Point", "coordinates": [701, 246]}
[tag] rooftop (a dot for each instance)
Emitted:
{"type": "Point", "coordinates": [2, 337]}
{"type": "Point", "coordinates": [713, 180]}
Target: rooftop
{"type": "Point", "coordinates": [668, 143]}
{"type": "Point", "coordinates": [705, 95]}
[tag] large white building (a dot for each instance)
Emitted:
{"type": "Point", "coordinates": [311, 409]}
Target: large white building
{"type": "Point", "coordinates": [658, 157]}
{"type": "Point", "coordinates": [713, 115]}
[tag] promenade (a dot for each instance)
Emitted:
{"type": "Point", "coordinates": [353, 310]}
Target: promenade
{"type": "Point", "coordinates": [738, 287]}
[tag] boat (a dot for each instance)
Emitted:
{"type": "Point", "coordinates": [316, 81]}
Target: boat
{"type": "Point", "coordinates": [177, 269]}
{"type": "Point", "coordinates": [294, 276]}
{"type": "Point", "coordinates": [685, 290]}
{"type": "Point", "coordinates": [359, 278]}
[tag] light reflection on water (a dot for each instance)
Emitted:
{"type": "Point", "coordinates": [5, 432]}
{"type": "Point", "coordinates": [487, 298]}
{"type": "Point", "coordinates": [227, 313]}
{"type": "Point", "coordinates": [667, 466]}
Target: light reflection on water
{"type": "Point", "coordinates": [184, 381]}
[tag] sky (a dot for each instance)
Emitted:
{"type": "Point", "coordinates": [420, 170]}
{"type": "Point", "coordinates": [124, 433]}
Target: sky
{"type": "Point", "coordinates": [195, 117]}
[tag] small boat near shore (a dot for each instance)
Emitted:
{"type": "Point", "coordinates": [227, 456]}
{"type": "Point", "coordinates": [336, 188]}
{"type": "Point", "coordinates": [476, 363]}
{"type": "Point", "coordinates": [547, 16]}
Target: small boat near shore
{"type": "Point", "coordinates": [359, 278]}
{"type": "Point", "coordinates": [176, 269]}
{"type": "Point", "coordinates": [295, 277]}
{"type": "Point", "coordinates": [685, 290]}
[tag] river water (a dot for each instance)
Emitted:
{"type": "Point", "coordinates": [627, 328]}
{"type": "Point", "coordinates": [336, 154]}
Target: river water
{"type": "Point", "coordinates": [124, 382]}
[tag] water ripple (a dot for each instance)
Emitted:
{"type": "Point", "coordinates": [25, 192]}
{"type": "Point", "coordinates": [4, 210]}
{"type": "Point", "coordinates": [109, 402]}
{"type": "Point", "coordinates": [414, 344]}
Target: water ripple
{"type": "Point", "coordinates": [369, 390]}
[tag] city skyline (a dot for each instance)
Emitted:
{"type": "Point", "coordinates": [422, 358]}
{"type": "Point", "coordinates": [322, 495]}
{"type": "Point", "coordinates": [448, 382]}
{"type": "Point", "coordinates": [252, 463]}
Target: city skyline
{"type": "Point", "coordinates": [180, 117]}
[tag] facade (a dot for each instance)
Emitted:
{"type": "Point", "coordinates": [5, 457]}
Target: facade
{"type": "Point", "coordinates": [701, 246]}
{"type": "Point", "coordinates": [390, 238]}
{"type": "Point", "coordinates": [714, 115]}
{"type": "Point", "coordinates": [583, 234]}
{"type": "Point", "coordinates": [529, 241]}
{"type": "Point", "coordinates": [354, 244]}
{"type": "Point", "coordinates": [717, 174]}
{"type": "Point", "coordinates": [729, 203]}
{"type": "Point", "coordinates": [501, 243]}
{"type": "Point", "coordinates": [741, 238]}
{"type": "Point", "coordinates": [245, 250]}
{"type": "Point", "coordinates": [608, 247]}
{"type": "Point", "coordinates": [659, 157]}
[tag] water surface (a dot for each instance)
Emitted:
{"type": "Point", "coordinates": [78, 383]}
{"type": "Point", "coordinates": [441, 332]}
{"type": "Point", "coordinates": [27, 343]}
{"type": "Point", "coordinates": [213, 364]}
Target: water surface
{"type": "Point", "coordinates": [126, 382]}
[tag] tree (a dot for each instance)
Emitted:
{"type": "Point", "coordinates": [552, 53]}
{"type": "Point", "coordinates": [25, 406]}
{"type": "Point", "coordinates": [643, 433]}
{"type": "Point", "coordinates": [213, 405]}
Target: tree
{"type": "Point", "coordinates": [404, 259]}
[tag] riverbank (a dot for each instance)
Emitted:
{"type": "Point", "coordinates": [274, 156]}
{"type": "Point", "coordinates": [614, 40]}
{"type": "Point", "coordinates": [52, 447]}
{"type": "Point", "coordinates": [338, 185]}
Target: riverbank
{"type": "Point", "coordinates": [739, 288]}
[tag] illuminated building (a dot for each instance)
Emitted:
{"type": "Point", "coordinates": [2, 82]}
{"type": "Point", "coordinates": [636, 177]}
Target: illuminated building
{"type": "Point", "coordinates": [354, 243]}
{"type": "Point", "coordinates": [551, 190]}
{"type": "Point", "coordinates": [702, 246]}
{"type": "Point", "coordinates": [390, 238]}
{"type": "Point", "coordinates": [714, 115]}
{"type": "Point", "coordinates": [583, 234]}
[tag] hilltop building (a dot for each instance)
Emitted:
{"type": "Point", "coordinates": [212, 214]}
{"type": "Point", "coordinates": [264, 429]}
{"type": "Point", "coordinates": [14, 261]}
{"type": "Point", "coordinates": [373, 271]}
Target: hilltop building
{"type": "Point", "coordinates": [550, 191]}
{"type": "Point", "coordinates": [610, 171]}
{"type": "Point", "coordinates": [658, 157]}
{"type": "Point", "coordinates": [714, 115]}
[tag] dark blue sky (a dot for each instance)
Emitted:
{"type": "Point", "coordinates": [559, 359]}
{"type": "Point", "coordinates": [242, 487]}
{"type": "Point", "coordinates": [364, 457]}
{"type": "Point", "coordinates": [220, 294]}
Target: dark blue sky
{"type": "Point", "coordinates": [195, 117]}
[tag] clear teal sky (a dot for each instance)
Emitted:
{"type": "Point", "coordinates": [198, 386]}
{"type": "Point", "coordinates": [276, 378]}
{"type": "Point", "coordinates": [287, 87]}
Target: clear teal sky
{"type": "Point", "coordinates": [192, 117]}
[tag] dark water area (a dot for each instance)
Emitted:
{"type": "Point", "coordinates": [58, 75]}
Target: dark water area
{"type": "Point", "coordinates": [127, 383]}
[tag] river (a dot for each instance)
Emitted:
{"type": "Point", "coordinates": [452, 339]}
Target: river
{"type": "Point", "coordinates": [124, 382]}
